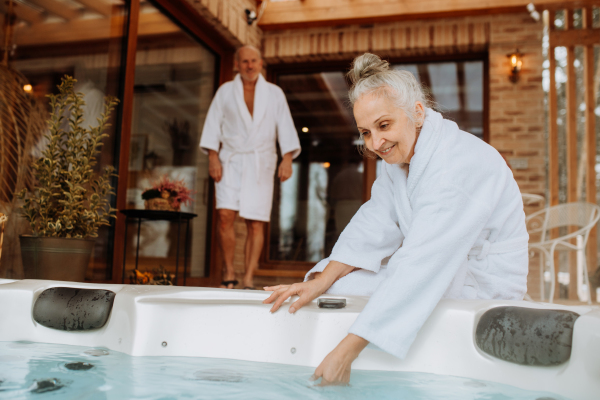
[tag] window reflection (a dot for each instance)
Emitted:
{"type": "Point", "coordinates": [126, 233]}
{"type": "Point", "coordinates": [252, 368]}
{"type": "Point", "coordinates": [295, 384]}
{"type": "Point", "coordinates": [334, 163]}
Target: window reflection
{"type": "Point", "coordinates": [84, 43]}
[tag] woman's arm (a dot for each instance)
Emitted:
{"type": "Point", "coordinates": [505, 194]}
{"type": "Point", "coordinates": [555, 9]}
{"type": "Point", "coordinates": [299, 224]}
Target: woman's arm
{"type": "Point", "coordinates": [335, 368]}
{"type": "Point", "coordinates": [308, 291]}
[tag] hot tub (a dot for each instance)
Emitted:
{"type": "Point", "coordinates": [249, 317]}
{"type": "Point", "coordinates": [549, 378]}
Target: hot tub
{"type": "Point", "coordinates": [234, 324]}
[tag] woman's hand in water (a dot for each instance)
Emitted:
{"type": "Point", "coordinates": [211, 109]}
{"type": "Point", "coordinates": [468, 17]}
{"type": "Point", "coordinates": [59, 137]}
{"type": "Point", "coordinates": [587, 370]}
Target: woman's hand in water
{"type": "Point", "coordinates": [307, 291]}
{"type": "Point", "coordinates": [335, 368]}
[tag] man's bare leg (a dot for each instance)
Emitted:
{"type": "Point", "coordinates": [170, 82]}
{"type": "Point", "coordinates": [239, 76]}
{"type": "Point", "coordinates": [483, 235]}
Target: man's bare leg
{"type": "Point", "coordinates": [226, 218]}
{"type": "Point", "coordinates": [254, 245]}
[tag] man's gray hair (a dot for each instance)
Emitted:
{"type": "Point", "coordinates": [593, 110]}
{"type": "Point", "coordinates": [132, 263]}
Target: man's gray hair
{"type": "Point", "coordinates": [236, 56]}
{"type": "Point", "coordinates": [371, 74]}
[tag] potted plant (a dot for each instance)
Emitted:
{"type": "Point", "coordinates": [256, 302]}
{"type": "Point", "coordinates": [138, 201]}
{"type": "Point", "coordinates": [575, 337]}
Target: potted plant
{"type": "Point", "coordinates": [166, 195]}
{"type": "Point", "coordinates": [69, 201]}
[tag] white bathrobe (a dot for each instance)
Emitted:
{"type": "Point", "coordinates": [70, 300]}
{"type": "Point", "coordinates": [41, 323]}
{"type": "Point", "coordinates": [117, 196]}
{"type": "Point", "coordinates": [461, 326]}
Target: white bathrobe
{"type": "Point", "coordinates": [246, 144]}
{"type": "Point", "coordinates": [455, 228]}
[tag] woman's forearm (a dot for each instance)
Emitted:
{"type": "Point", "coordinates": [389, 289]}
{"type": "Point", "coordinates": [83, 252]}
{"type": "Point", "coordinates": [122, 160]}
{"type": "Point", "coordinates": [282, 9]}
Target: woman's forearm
{"type": "Point", "coordinates": [334, 271]}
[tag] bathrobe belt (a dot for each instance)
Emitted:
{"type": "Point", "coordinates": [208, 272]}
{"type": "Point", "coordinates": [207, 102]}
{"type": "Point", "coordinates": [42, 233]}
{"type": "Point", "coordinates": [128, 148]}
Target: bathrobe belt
{"type": "Point", "coordinates": [233, 153]}
{"type": "Point", "coordinates": [507, 246]}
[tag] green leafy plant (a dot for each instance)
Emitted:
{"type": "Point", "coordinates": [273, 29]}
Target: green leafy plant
{"type": "Point", "coordinates": [70, 199]}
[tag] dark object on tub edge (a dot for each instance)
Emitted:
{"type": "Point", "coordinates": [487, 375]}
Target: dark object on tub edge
{"type": "Point", "coordinates": [73, 309]}
{"type": "Point", "coordinates": [527, 336]}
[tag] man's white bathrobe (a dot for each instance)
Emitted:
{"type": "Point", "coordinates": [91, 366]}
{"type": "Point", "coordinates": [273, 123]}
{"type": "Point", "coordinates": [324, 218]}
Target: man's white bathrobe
{"type": "Point", "coordinates": [455, 228]}
{"type": "Point", "coordinates": [246, 145]}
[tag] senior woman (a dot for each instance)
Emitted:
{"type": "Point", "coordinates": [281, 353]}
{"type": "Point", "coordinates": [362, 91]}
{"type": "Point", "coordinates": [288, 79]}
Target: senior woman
{"type": "Point", "coordinates": [445, 220]}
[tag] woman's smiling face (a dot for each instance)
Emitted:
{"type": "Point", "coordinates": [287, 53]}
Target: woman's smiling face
{"type": "Point", "coordinates": [386, 129]}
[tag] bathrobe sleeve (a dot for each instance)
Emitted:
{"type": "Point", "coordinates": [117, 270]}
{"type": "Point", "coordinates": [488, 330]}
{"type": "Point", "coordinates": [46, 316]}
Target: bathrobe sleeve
{"type": "Point", "coordinates": [373, 234]}
{"type": "Point", "coordinates": [446, 223]}
{"type": "Point", "coordinates": [287, 136]}
{"type": "Point", "coordinates": [211, 133]}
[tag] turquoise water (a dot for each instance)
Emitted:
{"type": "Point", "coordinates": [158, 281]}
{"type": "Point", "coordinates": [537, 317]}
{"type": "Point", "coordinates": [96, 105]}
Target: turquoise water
{"type": "Point", "coordinates": [48, 371]}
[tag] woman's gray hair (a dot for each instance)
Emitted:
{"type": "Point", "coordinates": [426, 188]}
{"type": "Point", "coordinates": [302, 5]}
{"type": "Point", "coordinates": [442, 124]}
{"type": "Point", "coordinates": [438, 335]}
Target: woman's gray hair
{"type": "Point", "coordinates": [370, 74]}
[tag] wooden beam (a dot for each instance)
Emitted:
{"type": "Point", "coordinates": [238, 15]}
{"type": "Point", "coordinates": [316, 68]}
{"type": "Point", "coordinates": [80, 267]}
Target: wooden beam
{"type": "Point", "coordinates": [552, 128]}
{"type": "Point", "coordinates": [575, 37]}
{"type": "Point", "coordinates": [57, 8]}
{"type": "Point", "coordinates": [89, 30]}
{"type": "Point", "coordinates": [24, 13]}
{"type": "Point", "coordinates": [307, 13]}
{"type": "Point", "coordinates": [571, 140]}
{"type": "Point", "coordinates": [100, 6]}
{"type": "Point", "coordinates": [126, 117]}
{"type": "Point", "coordinates": [552, 147]}
{"type": "Point", "coordinates": [590, 142]}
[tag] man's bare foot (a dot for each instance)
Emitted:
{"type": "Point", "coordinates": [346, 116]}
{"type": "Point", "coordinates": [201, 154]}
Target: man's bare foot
{"type": "Point", "coordinates": [248, 282]}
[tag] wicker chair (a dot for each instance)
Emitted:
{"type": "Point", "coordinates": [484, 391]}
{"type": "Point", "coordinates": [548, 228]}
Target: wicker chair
{"type": "Point", "coordinates": [580, 215]}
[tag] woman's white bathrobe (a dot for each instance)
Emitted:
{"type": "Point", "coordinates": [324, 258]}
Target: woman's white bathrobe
{"type": "Point", "coordinates": [247, 145]}
{"type": "Point", "coordinates": [454, 229]}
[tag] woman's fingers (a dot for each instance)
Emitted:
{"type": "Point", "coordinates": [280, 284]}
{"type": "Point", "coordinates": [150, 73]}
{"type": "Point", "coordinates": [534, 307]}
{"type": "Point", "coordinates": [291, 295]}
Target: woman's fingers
{"type": "Point", "coordinates": [273, 288]}
{"type": "Point", "coordinates": [277, 290]}
{"type": "Point", "coordinates": [298, 304]}
{"type": "Point", "coordinates": [283, 296]}
{"type": "Point", "coordinates": [272, 297]}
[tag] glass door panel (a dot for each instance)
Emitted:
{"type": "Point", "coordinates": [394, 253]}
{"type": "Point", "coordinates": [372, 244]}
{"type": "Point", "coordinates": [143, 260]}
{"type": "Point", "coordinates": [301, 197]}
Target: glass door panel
{"type": "Point", "coordinates": [312, 208]}
{"type": "Point", "coordinates": [174, 84]}
{"type": "Point", "coordinates": [85, 43]}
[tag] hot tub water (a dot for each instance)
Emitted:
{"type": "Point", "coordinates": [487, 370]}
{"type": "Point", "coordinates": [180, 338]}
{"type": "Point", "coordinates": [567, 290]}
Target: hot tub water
{"type": "Point", "coordinates": [48, 371]}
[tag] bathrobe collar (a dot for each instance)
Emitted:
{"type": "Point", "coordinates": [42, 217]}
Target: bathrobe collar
{"type": "Point", "coordinates": [428, 140]}
{"type": "Point", "coordinates": [251, 122]}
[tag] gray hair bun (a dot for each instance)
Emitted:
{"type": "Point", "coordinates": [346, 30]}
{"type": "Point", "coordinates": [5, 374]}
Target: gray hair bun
{"type": "Point", "coordinates": [365, 66]}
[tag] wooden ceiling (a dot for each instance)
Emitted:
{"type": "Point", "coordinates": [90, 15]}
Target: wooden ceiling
{"type": "Point", "coordinates": [43, 11]}
{"type": "Point", "coordinates": [41, 22]}
{"type": "Point", "coordinates": [295, 14]}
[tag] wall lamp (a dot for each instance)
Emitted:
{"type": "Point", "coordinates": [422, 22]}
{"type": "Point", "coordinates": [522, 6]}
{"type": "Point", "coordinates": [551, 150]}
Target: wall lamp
{"type": "Point", "coordinates": [516, 62]}
{"type": "Point", "coordinates": [250, 16]}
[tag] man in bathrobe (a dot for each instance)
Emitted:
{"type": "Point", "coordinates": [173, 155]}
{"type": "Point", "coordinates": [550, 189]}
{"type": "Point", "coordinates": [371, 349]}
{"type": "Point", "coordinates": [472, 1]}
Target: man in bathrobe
{"type": "Point", "coordinates": [245, 120]}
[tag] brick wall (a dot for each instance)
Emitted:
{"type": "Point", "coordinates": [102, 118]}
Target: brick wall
{"type": "Point", "coordinates": [517, 116]}
{"type": "Point", "coordinates": [516, 110]}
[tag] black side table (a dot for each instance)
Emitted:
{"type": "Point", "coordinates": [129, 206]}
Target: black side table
{"type": "Point", "coordinates": [155, 215]}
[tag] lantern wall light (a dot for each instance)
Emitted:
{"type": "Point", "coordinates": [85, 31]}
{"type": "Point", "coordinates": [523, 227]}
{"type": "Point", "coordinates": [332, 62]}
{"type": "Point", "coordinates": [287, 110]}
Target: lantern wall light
{"type": "Point", "coordinates": [516, 62]}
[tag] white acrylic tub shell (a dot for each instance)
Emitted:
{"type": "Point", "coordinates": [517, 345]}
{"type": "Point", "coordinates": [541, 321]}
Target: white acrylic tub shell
{"type": "Point", "coordinates": [234, 324]}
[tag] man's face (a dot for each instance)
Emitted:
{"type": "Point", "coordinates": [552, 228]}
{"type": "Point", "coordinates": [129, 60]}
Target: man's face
{"type": "Point", "coordinates": [249, 64]}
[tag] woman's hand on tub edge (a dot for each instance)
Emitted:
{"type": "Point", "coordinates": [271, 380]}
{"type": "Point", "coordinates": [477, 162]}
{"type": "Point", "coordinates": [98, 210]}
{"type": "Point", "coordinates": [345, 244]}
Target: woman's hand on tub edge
{"type": "Point", "coordinates": [335, 367]}
{"type": "Point", "coordinates": [307, 291]}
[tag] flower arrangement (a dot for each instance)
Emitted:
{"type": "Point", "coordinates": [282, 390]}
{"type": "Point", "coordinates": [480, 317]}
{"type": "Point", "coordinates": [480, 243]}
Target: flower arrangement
{"type": "Point", "coordinates": [167, 195]}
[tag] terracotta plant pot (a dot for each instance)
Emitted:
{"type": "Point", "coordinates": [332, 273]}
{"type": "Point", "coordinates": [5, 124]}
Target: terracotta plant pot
{"type": "Point", "coordinates": [59, 259]}
{"type": "Point", "coordinates": [159, 204]}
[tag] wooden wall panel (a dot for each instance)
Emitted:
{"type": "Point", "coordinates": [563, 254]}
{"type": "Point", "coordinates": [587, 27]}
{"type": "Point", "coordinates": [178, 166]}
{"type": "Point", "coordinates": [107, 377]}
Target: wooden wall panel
{"type": "Point", "coordinates": [394, 40]}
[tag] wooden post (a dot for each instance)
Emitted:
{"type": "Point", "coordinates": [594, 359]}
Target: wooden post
{"type": "Point", "coordinates": [590, 141]}
{"type": "Point", "coordinates": [571, 140]}
{"type": "Point", "coordinates": [125, 136]}
{"type": "Point", "coordinates": [552, 137]}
